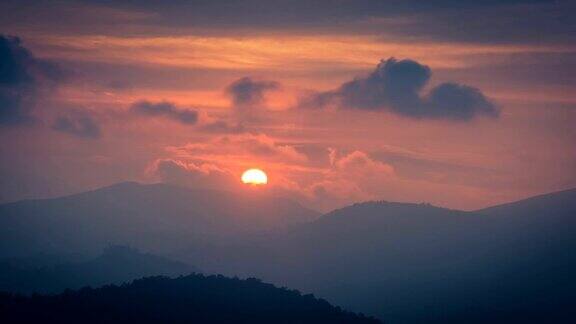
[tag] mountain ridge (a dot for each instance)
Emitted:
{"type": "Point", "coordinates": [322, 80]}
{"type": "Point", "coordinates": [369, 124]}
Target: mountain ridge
{"type": "Point", "coordinates": [405, 262]}
{"type": "Point", "coordinates": [187, 299]}
{"type": "Point", "coordinates": [148, 216]}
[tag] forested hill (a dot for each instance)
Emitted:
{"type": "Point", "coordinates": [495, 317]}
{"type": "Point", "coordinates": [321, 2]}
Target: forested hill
{"type": "Point", "coordinates": [190, 299]}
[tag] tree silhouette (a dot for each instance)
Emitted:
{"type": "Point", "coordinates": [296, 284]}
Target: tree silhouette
{"type": "Point", "coordinates": [189, 299]}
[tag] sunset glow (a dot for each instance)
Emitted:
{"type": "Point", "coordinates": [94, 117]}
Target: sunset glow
{"type": "Point", "coordinates": [254, 177]}
{"type": "Point", "coordinates": [389, 103]}
{"type": "Point", "coordinates": [383, 155]}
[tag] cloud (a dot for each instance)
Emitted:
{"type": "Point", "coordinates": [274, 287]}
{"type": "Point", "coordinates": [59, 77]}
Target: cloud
{"type": "Point", "coordinates": [165, 109]}
{"type": "Point", "coordinates": [23, 79]}
{"type": "Point", "coordinates": [458, 102]}
{"type": "Point", "coordinates": [351, 177]}
{"type": "Point", "coordinates": [223, 127]}
{"type": "Point", "coordinates": [396, 86]}
{"type": "Point", "coordinates": [222, 160]}
{"type": "Point", "coordinates": [78, 123]}
{"type": "Point", "coordinates": [358, 162]}
{"type": "Point", "coordinates": [243, 146]}
{"type": "Point", "coordinates": [248, 94]}
{"type": "Point", "coordinates": [488, 21]}
{"type": "Point", "coordinates": [194, 175]}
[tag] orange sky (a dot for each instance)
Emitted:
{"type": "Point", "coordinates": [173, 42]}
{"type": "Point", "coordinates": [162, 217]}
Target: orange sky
{"type": "Point", "coordinates": [325, 158]}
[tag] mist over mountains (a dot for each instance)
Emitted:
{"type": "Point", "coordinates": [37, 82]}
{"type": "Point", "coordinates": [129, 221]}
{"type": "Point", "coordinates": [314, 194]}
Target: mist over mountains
{"type": "Point", "coordinates": [116, 265]}
{"type": "Point", "coordinates": [401, 262]}
{"type": "Point", "coordinates": [157, 218]}
{"type": "Point", "coordinates": [287, 153]}
{"type": "Point", "coordinates": [419, 263]}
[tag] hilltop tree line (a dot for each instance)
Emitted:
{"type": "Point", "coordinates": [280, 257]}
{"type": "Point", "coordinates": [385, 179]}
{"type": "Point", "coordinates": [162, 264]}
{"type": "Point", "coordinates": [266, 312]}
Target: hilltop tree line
{"type": "Point", "coordinates": [187, 299]}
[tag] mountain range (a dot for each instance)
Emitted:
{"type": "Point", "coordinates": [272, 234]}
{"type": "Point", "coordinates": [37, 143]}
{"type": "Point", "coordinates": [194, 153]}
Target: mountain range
{"type": "Point", "coordinates": [419, 263]}
{"type": "Point", "coordinates": [116, 265]}
{"type": "Point", "coordinates": [155, 218]}
{"type": "Point", "coordinates": [404, 263]}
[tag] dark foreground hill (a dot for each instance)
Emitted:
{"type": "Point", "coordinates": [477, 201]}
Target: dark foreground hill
{"type": "Point", "coordinates": [405, 263]}
{"type": "Point", "coordinates": [190, 299]}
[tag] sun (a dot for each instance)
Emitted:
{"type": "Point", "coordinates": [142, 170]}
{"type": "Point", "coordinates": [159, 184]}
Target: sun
{"type": "Point", "coordinates": [254, 177]}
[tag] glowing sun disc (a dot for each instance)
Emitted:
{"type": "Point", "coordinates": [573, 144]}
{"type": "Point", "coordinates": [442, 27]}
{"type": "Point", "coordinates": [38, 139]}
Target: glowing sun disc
{"type": "Point", "coordinates": [254, 177]}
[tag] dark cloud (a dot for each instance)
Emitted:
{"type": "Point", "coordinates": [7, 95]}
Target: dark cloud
{"type": "Point", "coordinates": [459, 102]}
{"type": "Point", "coordinates": [489, 21]}
{"type": "Point", "coordinates": [396, 86]}
{"type": "Point", "coordinates": [78, 123]}
{"type": "Point", "coordinates": [223, 127]}
{"type": "Point", "coordinates": [165, 109]}
{"type": "Point", "coordinates": [535, 22]}
{"type": "Point", "coordinates": [23, 79]}
{"type": "Point", "coordinates": [248, 92]}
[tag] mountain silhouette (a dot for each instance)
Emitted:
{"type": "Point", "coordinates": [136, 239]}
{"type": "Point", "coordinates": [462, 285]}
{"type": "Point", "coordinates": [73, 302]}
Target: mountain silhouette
{"type": "Point", "coordinates": [416, 263]}
{"type": "Point", "coordinates": [155, 218]}
{"type": "Point", "coordinates": [117, 264]}
{"type": "Point", "coordinates": [189, 299]}
{"type": "Point", "coordinates": [402, 262]}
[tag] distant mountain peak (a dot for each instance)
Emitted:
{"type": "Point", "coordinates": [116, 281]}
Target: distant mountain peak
{"type": "Point", "coordinates": [131, 212]}
{"type": "Point", "coordinates": [381, 208]}
{"type": "Point", "coordinates": [563, 197]}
